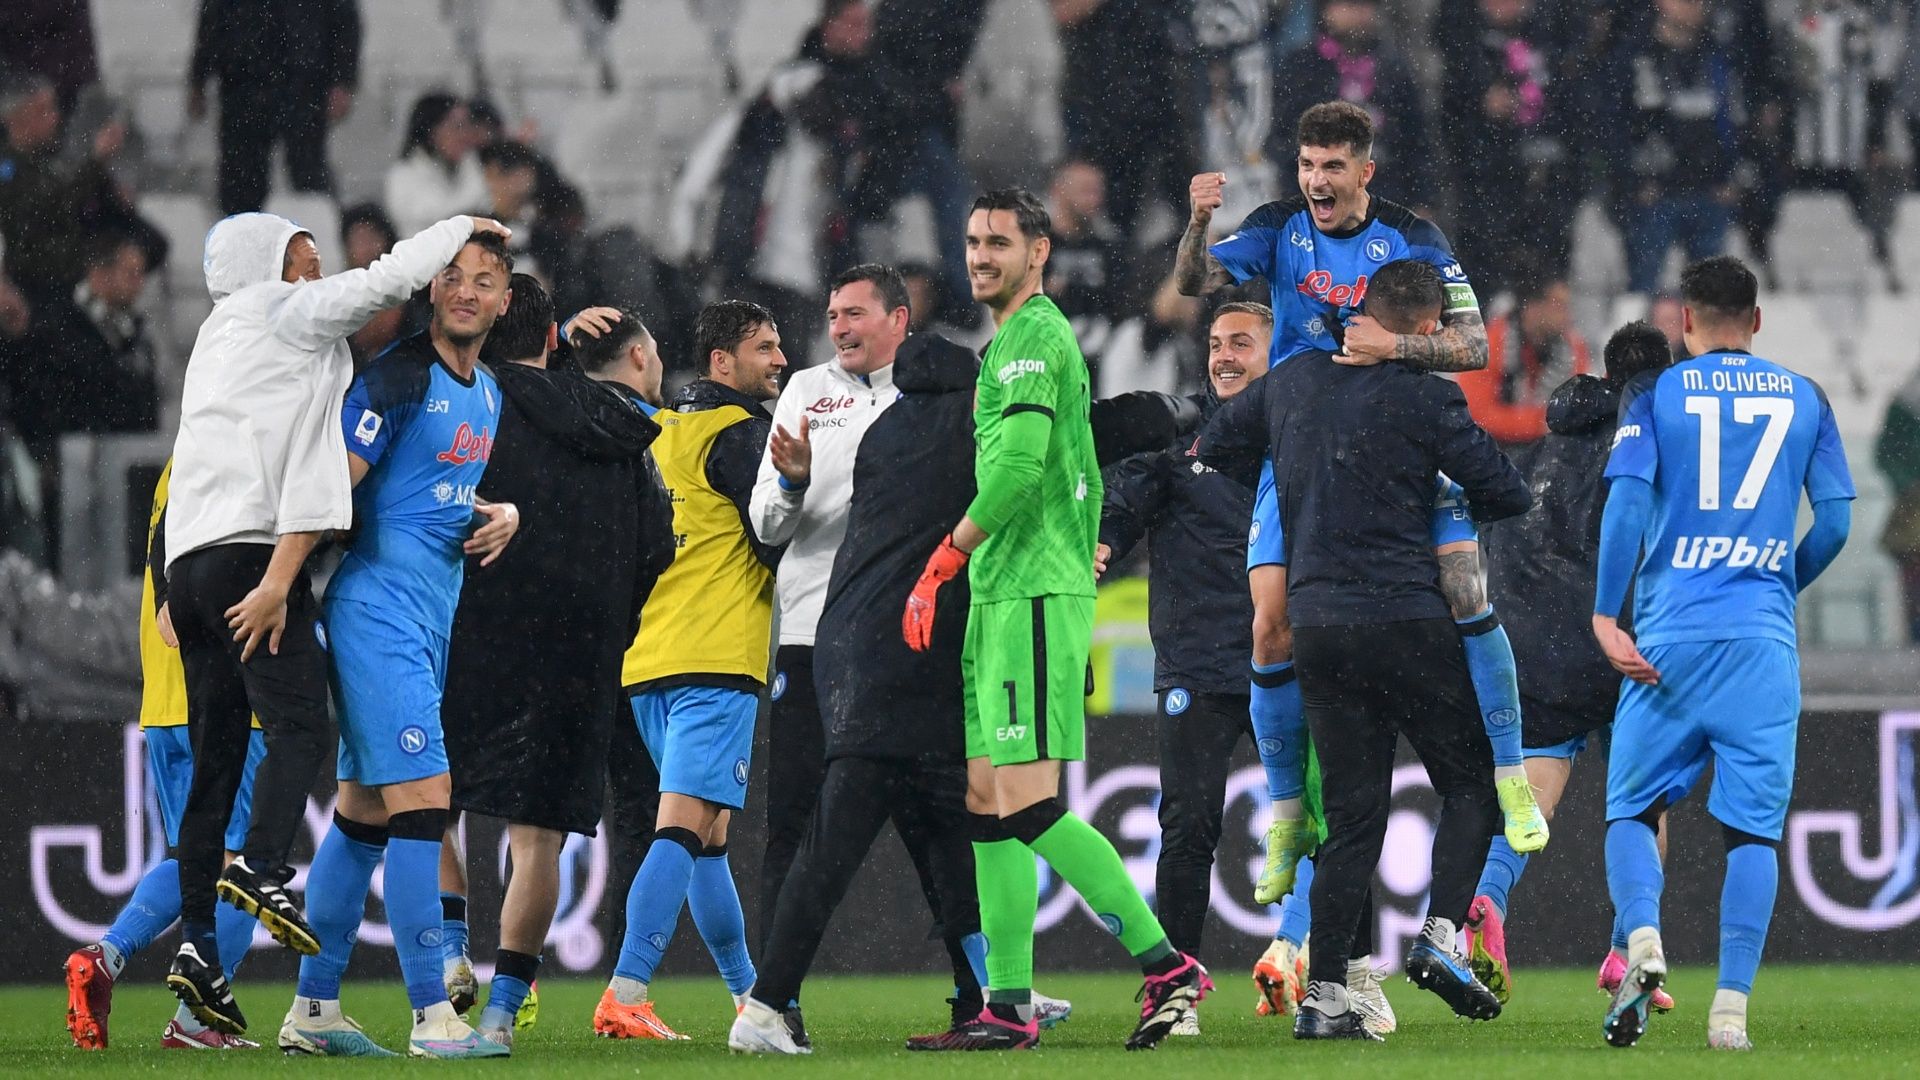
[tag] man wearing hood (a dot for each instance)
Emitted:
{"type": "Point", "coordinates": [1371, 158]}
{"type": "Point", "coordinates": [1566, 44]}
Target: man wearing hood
{"type": "Point", "coordinates": [1543, 564]}
{"type": "Point", "coordinates": [259, 474]}
{"type": "Point", "coordinates": [533, 675]}
{"type": "Point", "coordinates": [697, 669]}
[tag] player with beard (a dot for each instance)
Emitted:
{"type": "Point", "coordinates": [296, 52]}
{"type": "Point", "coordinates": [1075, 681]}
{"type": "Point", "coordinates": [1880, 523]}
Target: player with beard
{"type": "Point", "coordinates": [419, 425]}
{"type": "Point", "coordinates": [696, 672]}
{"type": "Point", "coordinates": [1317, 252]}
{"type": "Point", "coordinates": [1035, 524]}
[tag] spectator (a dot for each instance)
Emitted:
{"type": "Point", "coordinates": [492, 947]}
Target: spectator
{"type": "Point", "coordinates": [50, 205]}
{"type": "Point", "coordinates": [1674, 140]}
{"type": "Point", "coordinates": [1665, 312]}
{"type": "Point", "coordinates": [367, 233]}
{"type": "Point", "coordinates": [1236, 42]}
{"type": "Point", "coordinates": [86, 365]}
{"type": "Point", "coordinates": [1517, 183]}
{"type": "Point", "coordinates": [1529, 354]}
{"type": "Point", "coordinates": [782, 222]}
{"type": "Point", "coordinates": [1088, 260]}
{"type": "Point", "coordinates": [287, 73]}
{"type": "Point", "coordinates": [1124, 99]}
{"type": "Point", "coordinates": [1897, 455]}
{"type": "Point", "coordinates": [512, 171]}
{"type": "Point", "coordinates": [1347, 61]}
{"type": "Point", "coordinates": [53, 38]}
{"type": "Point", "coordinates": [438, 174]}
{"type": "Point", "coordinates": [922, 48]}
{"type": "Point", "coordinates": [1840, 123]}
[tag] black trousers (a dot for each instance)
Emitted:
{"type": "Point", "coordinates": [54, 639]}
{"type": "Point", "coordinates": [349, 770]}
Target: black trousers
{"type": "Point", "coordinates": [928, 804]}
{"type": "Point", "coordinates": [287, 691]}
{"type": "Point", "coordinates": [1363, 687]}
{"type": "Point", "coordinates": [1196, 753]}
{"type": "Point", "coordinates": [255, 116]}
{"type": "Point", "coordinates": [796, 764]}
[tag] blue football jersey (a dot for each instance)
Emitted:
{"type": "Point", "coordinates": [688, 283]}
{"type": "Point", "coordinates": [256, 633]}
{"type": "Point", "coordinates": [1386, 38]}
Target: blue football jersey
{"type": "Point", "coordinates": [428, 435]}
{"type": "Point", "coordinates": [1728, 441]}
{"type": "Point", "coordinates": [1317, 280]}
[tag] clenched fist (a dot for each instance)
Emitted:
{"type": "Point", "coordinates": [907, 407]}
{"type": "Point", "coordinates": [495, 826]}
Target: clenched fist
{"type": "Point", "coordinates": [1204, 195]}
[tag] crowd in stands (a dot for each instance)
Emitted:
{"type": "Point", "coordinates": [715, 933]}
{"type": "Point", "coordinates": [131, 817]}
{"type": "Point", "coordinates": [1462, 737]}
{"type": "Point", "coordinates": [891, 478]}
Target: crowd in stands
{"type": "Point", "coordinates": [1686, 120]}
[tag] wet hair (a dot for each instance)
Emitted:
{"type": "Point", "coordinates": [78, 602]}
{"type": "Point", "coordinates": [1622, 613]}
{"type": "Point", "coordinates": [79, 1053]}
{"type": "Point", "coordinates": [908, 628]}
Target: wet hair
{"type": "Point", "coordinates": [723, 325]}
{"type": "Point", "coordinates": [1636, 347]}
{"type": "Point", "coordinates": [1337, 123]}
{"type": "Point", "coordinates": [521, 333]}
{"type": "Point", "coordinates": [1403, 293]}
{"type": "Point", "coordinates": [1028, 211]}
{"type": "Point", "coordinates": [1244, 307]}
{"type": "Point", "coordinates": [1721, 288]}
{"type": "Point", "coordinates": [372, 216]}
{"type": "Point", "coordinates": [599, 353]}
{"type": "Point", "coordinates": [428, 111]}
{"type": "Point", "coordinates": [493, 244]}
{"type": "Point", "coordinates": [888, 282]}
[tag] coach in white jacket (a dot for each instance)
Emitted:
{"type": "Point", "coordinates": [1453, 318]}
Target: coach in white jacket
{"type": "Point", "coordinates": [259, 475]}
{"type": "Point", "coordinates": [800, 499]}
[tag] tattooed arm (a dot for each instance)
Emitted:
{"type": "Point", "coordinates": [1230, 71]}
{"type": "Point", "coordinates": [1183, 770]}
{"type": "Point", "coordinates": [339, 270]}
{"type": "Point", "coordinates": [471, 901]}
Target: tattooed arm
{"type": "Point", "coordinates": [1195, 271]}
{"type": "Point", "coordinates": [1460, 344]}
{"type": "Point", "coordinates": [1460, 580]}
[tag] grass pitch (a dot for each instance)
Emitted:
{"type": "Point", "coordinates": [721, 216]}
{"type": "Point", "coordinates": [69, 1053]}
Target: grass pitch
{"type": "Point", "coordinates": [1809, 1023]}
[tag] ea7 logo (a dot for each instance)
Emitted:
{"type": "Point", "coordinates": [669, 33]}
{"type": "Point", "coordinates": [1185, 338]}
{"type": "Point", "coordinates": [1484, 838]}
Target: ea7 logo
{"type": "Point", "coordinates": [1626, 431]}
{"type": "Point", "coordinates": [1014, 369]}
{"type": "Point", "coordinates": [1304, 243]}
{"type": "Point", "coordinates": [1703, 552]}
{"type": "Point", "coordinates": [1011, 733]}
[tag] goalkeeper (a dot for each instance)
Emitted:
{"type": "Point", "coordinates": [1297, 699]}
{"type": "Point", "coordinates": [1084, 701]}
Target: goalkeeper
{"type": "Point", "coordinates": [1034, 524]}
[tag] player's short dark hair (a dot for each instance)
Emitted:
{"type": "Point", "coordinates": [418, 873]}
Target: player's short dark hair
{"type": "Point", "coordinates": [1337, 123]}
{"type": "Point", "coordinates": [723, 325]}
{"type": "Point", "coordinates": [494, 245]}
{"type": "Point", "coordinates": [888, 282]}
{"type": "Point", "coordinates": [599, 353]}
{"type": "Point", "coordinates": [1028, 211]}
{"type": "Point", "coordinates": [521, 333]}
{"type": "Point", "coordinates": [1721, 287]}
{"type": "Point", "coordinates": [1404, 293]}
{"type": "Point", "coordinates": [1636, 347]}
{"type": "Point", "coordinates": [1244, 307]}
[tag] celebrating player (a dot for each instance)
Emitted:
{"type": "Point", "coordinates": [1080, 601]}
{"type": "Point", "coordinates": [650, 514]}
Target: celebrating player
{"type": "Point", "coordinates": [1035, 523]}
{"type": "Point", "coordinates": [419, 425]}
{"type": "Point", "coordinates": [155, 903]}
{"type": "Point", "coordinates": [1542, 562]}
{"type": "Point", "coordinates": [1363, 595]}
{"type": "Point", "coordinates": [695, 672]}
{"type": "Point", "coordinates": [1708, 465]}
{"type": "Point", "coordinates": [258, 475]}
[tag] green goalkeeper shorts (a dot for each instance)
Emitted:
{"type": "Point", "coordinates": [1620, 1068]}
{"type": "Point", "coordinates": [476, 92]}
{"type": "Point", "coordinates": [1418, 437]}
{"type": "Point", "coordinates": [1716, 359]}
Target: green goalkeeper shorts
{"type": "Point", "coordinates": [1025, 666]}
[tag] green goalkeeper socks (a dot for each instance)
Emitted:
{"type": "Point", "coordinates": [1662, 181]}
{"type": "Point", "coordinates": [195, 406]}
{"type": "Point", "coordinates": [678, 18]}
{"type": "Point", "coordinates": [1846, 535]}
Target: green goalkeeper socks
{"type": "Point", "coordinates": [1086, 859]}
{"type": "Point", "coordinates": [1009, 887]}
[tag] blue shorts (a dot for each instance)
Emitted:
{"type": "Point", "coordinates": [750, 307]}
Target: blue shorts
{"type": "Point", "coordinates": [1569, 750]}
{"type": "Point", "coordinates": [1451, 523]}
{"type": "Point", "coordinates": [388, 673]}
{"type": "Point", "coordinates": [1734, 703]}
{"type": "Point", "coordinates": [170, 764]}
{"type": "Point", "coordinates": [701, 738]}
